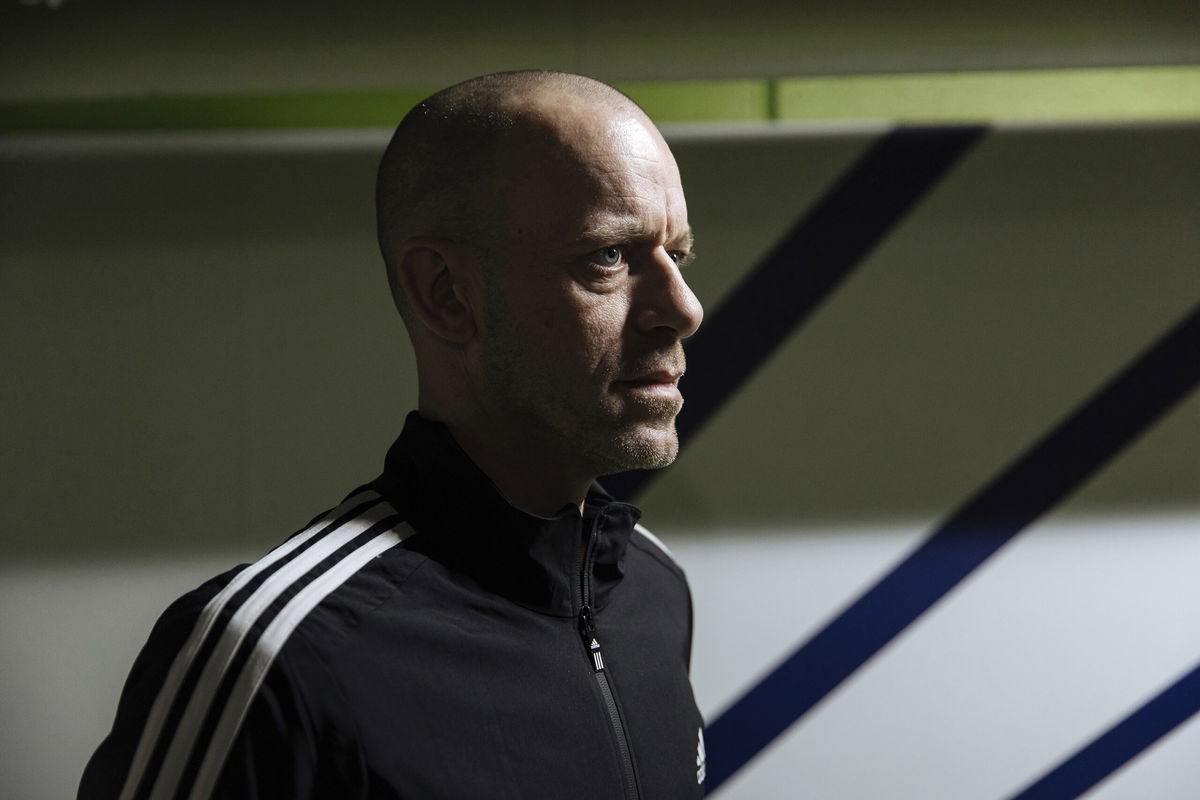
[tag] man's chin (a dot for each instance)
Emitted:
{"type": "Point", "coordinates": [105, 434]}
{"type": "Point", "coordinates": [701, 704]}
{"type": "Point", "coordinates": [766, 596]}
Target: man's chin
{"type": "Point", "coordinates": [645, 446]}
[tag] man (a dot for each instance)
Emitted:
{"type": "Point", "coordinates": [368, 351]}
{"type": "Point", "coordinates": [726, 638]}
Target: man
{"type": "Point", "coordinates": [482, 620]}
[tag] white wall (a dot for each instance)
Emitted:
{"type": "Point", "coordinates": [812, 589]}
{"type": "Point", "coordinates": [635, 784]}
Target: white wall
{"type": "Point", "coordinates": [1071, 627]}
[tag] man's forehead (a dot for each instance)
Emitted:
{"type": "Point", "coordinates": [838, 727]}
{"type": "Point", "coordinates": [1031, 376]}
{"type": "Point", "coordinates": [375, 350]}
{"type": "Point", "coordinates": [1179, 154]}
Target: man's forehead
{"type": "Point", "coordinates": [556, 128]}
{"type": "Point", "coordinates": [583, 173]}
{"type": "Point", "coordinates": [619, 203]}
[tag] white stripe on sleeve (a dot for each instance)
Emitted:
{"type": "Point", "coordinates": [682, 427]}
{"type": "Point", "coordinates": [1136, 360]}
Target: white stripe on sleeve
{"type": "Point", "coordinates": [268, 647]}
{"type": "Point", "coordinates": [232, 636]}
{"type": "Point", "coordinates": [183, 659]}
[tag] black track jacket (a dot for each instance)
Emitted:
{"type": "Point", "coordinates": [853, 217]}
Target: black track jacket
{"type": "Point", "coordinates": [423, 639]}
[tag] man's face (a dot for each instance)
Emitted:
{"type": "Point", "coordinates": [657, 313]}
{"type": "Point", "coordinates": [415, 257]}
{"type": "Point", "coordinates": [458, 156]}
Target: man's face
{"type": "Point", "coordinates": [585, 305]}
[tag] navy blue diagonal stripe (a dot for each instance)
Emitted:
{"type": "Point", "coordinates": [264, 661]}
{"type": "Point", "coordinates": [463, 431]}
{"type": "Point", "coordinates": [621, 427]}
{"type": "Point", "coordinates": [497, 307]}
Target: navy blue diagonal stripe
{"type": "Point", "coordinates": [812, 260]}
{"type": "Point", "coordinates": [1113, 749]}
{"type": "Point", "coordinates": [1039, 479]}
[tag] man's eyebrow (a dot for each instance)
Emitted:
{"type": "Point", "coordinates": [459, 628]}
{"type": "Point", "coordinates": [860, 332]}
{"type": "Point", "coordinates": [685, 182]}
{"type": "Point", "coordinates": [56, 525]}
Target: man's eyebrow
{"type": "Point", "coordinates": [686, 240]}
{"type": "Point", "coordinates": [614, 230]}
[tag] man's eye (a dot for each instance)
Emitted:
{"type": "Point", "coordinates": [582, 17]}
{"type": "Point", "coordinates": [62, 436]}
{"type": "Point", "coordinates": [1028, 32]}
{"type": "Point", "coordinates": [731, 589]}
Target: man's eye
{"type": "Point", "coordinates": [677, 256]}
{"type": "Point", "coordinates": [610, 256]}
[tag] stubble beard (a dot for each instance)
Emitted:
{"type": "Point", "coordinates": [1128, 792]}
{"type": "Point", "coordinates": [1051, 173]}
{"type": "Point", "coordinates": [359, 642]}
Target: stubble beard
{"type": "Point", "coordinates": [651, 442]}
{"type": "Point", "coordinates": [586, 429]}
{"type": "Point", "coordinates": [588, 436]}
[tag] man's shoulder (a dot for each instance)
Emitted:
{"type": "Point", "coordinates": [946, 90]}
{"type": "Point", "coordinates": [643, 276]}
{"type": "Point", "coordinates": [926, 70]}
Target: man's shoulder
{"type": "Point", "coordinates": [222, 645]}
{"type": "Point", "coordinates": [312, 562]}
{"type": "Point", "coordinates": [235, 627]}
{"type": "Point", "coordinates": [334, 560]}
{"type": "Point", "coordinates": [654, 550]}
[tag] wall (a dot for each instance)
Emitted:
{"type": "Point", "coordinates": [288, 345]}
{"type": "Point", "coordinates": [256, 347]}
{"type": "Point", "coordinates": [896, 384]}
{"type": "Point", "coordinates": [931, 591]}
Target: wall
{"type": "Point", "coordinates": [201, 352]}
{"type": "Point", "coordinates": [207, 355]}
{"type": "Point", "coordinates": [70, 49]}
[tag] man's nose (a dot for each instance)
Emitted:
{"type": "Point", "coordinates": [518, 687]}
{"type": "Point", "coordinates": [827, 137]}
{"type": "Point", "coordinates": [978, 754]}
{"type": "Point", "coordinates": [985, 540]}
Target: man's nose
{"type": "Point", "coordinates": [665, 300]}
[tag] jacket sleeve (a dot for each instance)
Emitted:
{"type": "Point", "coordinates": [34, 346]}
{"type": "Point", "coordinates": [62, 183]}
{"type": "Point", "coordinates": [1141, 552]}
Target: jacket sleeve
{"type": "Point", "coordinates": [295, 740]}
{"type": "Point", "coordinates": [292, 740]}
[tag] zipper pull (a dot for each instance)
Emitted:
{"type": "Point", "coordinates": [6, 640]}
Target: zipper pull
{"type": "Point", "coordinates": [587, 629]}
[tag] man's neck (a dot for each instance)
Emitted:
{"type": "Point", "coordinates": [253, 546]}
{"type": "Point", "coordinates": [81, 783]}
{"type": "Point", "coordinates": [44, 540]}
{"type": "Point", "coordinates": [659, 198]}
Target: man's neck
{"type": "Point", "coordinates": [532, 482]}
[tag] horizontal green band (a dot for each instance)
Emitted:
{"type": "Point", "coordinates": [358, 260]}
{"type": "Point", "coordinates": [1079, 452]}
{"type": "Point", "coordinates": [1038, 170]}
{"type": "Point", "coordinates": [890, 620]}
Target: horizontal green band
{"type": "Point", "coordinates": [703, 101]}
{"type": "Point", "coordinates": [1140, 93]}
{"type": "Point", "coordinates": [208, 112]}
{"type": "Point", "coordinates": [1131, 93]}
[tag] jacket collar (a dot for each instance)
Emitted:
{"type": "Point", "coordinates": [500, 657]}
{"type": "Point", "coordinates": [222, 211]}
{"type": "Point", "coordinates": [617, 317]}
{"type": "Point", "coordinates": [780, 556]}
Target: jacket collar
{"type": "Point", "coordinates": [464, 521]}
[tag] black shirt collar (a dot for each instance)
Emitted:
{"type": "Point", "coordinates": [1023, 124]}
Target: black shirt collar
{"type": "Point", "coordinates": [464, 521]}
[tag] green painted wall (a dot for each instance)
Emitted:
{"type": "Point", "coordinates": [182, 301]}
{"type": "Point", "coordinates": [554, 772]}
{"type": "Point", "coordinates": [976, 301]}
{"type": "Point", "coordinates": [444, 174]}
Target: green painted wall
{"type": "Point", "coordinates": [69, 49]}
{"type": "Point", "coordinates": [1091, 95]}
{"type": "Point", "coordinates": [201, 350]}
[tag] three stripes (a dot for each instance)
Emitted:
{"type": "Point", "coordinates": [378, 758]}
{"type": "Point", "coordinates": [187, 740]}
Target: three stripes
{"type": "Point", "coordinates": [211, 683]}
{"type": "Point", "coordinates": [214, 677]}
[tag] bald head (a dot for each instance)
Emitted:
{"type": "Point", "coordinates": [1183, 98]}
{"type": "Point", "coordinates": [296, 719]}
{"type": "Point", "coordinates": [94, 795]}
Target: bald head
{"type": "Point", "coordinates": [535, 229]}
{"type": "Point", "coordinates": [447, 168]}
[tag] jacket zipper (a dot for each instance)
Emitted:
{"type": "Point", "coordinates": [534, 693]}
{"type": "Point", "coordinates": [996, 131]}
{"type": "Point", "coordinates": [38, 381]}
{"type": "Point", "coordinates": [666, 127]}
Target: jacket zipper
{"type": "Point", "coordinates": [587, 630]}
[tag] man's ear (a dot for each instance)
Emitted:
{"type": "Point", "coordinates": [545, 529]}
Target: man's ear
{"type": "Point", "coordinates": [432, 273]}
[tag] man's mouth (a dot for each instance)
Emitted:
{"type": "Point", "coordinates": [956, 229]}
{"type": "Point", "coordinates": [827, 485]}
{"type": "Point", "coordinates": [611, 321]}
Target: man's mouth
{"type": "Point", "coordinates": [658, 378]}
{"type": "Point", "coordinates": [654, 386]}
